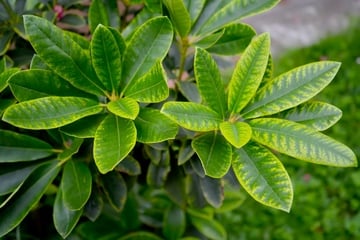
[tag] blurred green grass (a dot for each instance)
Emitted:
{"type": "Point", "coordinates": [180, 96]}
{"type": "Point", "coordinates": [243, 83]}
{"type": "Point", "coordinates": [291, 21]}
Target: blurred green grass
{"type": "Point", "coordinates": [327, 199]}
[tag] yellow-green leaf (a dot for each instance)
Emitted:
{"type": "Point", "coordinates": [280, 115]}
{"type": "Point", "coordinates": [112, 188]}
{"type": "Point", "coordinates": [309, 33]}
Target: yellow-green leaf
{"type": "Point", "coordinates": [238, 133]}
{"type": "Point", "coordinates": [124, 107]}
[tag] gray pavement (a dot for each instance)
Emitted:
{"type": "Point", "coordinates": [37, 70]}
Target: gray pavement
{"type": "Point", "coordinates": [296, 23]}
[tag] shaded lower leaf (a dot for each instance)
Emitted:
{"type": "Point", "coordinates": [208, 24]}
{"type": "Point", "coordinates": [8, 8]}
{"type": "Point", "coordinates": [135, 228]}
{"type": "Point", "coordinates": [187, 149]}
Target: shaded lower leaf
{"type": "Point", "coordinates": [214, 153]}
{"type": "Point", "coordinates": [76, 184]}
{"type": "Point", "coordinates": [84, 127]}
{"type": "Point", "coordinates": [130, 166]}
{"type": "Point", "coordinates": [64, 219]}
{"type": "Point", "coordinates": [27, 197]}
{"type": "Point", "coordinates": [153, 126]}
{"type": "Point", "coordinates": [5, 103]}
{"type": "Point", "coordinates": [114, 139]}
{"type": "Point", "coordinates": [175, 186]}
{"type": "Point", "coordinates": [4, 76]}
{"type": "Point", "coordinates": [213, 191]}
{"type": "Point", "coordinates": [16, 147]}
{"type": "Point", "coordinates": [72, 146]}
{"type": "Point", "coordinates": [263, 176]}
{"type": "Point", "coordinates": [50, 112]}
{"type": "Point", "coordinates": [317, 115]}
{"type": "Point", "coordinates": [174, 223]}
{"type": "Point", "coordinates": [94, 205]}
{"type": "Point", "coordinates": [238, 133]}
{"type": "Point", "coordinates": [212, 229]}
{"type": "Point", "coordinates": [301, 142]}
{"type": "Point", "coordinates": [192, 116]}
{"type": "Point", "coordinates": [115, 189]}
{"type": "Point", "coordinates": [157, 174]}
{"type": "Point", "coordinates": [140, 236]}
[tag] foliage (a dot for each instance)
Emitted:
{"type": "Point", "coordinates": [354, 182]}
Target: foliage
{"type": "Point", "coordinates": [136, 131]}
{"type": "Point", "coordinates": [326, 200]}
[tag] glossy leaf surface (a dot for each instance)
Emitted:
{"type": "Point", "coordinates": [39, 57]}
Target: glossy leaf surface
{"type": "Point", "coordinates": [192, 116]}
{"type": "Point", "coordinates": [292, 88]}
{"type": "Point", "coordinates": [64, 218]}
{"type": "Point", "coordinates": [194, 7]}
{"type": "Point", "coordinates": [174, 223]}
{"type": "Point", "coordinates": [114, 139]}
{"type": "Point", "coordinates": [148, 45]}
{"type": "Point", "coordinates": [210, 228]}
{"type": "Point", "coordinates": [301, 142]}
{"type": "Point", "coordinates": [85, 127]}
{"type": "Point", "coordinates": [106, 58]}
{"type": "Point", "coordinates": [263, 176]}
{"type": "Point", "coordinates": [209, 82]}
{"type": "Point", "coordinates": [16, 147]}
{"type": "Point", "coordinates": [76, 184]}
{"type": "Point", "coordinates": [98, 15]}
{"type": "Point", "coordinates": [212, 190]}
{"type": "Point", "coordinates": [317, 115]}
{"type": "Point", "coordinates": [115, 189]}
{"type": "Point", "coordinates": [50, 112]}
{"type": "Point", "coordinates": [248, 73]}
{"type": "Point", "coordinates": [179, 15]}
{"type": "Point", "coordinates": [238, 133]}
{"type": "Point", "coordinates": [152, 126]}
{"type": "Point", "coordinates": [124, 107]}
{"type": "Point", "coordinates": [4, 76]}
{"type": "Point", "coordinates": [27, 197]}
{"type": "Point", "coordinates": [214, 152]}
{"type": "Point", "coordinates": [56, 48]}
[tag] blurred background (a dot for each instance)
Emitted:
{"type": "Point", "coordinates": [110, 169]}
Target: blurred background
{"type": "Point", "coordinates": [326, 199]}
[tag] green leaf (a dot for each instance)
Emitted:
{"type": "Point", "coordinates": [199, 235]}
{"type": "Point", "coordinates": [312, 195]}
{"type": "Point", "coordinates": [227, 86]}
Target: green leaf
{"type": "Point", "coordinates": [291, 89]}
{"type": "Point", "coordinates": [189, 90]}
{"type": "Point", "coordinates": [157, 174]}
{"type": "Point", "coordinates": [16, 147]}
{"type": "Point", "coordinates": [38, 63]}
{"type": "Point", "coordinates": [55, 48]}
{"type": "Point", "coordinates": [238, 133]}
{"type": "Point", "coordinates": [174, 223]}
{"type": "Point", "coordinates": [192, 116]}
{"type": "Point", "coordinates": [72, 146]}
{"type": "Point", "coordinates": [27, 197]}
{"type": "Point", "coordinates": [97, 15]}
{"type": "Point", "coordinates": [214, 153]}
{"type": "Point", "coordinates": [194, 7]}
{"type": "Point", "coordinates": [124, 107]}
{"type": "Point", "coordinates": [301, 142]}
{"type": "Point", "coordinates": [213, 191]}
{"type": "Point", "coordinates": [248, 73]}
{"type": "Point", "coordinates": [13, 177]}
{"type": "Point", "coordinates": [317, 115]}
{"type": "Point", "coordinates": [210, 40]}
{"type": "Point", "coordinates": [85, 127]}
{"type": "Point", "coordinates": [50, 112]}
{"type": "Point", "coordinates": [118, 39]}
{"type": "Point", "coordinates": [152, 126]}
{"type": "Point", "coordinates": [4, 76]}
{"type": "Point", "coordinates": [209, 82]}
{"type": "Point", "coordinates": [179, 15]}
{"type": "Point", "coordinates": [79, 39]}
{"type": "Point", "coordinates": [263, 176]}
{"type": "Point", "coordinates": [76, 184]}
{"type": "Point", "coordinates": [5, 103]}
{"type": "Point", "coordinates": [94, 206]}
{"type": "Point", "coordinates": [140, 236]}
{"type": "Point", "coordinates": [235, 38]}
{"type": "Point", "coordinates": [151, 87]}
{"type": "Point", "coordinates": [114, 139]}
{"type": "Point", "coordinates": [64, 218]}
{"type": "Point", "coordinates": [106, 58]}
{"type": "Point", "coordinates": [36, 83]}
{"type": "Point", "coordinates": [115, 189]}
{"type": "Point", "coordinates": [148, 45]}
{"type": "Point", "coordinates": [130, 166]}
{"type": "Point", "coordinates": [210, 228]}
{"type": "Point", "coordinates": [233, 11]}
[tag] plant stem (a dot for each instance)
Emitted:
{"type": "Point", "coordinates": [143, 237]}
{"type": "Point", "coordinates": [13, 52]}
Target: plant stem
{"type": "Point", "coordinates": [184, 46]}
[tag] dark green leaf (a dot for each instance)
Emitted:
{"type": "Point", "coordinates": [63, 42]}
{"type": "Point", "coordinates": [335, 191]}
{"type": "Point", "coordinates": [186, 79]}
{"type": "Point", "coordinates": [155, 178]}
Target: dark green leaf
{"type": "Point", "coordinates": [114, 139]}
{"type": "Point", "coordinates": [140, 236]}
{"type": "Point", "coordinates": [50, 112]}
{"type": "Point", "coordinates": [301, 142]}
{"type": "Point", "coordinates": [85, 127]}
{"type": "Point", "coordinates": [185, 153]}
{"type": "Point", "coordinates": [291, 88]}
{"type": "Point", "coordinates": [130, 166]}
{"type": "Point", "coordinates": [75, 20]}
{"type": "Point", "coordinates": [106, 58]}
{"type": "Point", "coordinates": [248, 73]}
{"type": "Point", "coordinates": [115, 189]}
{"type": "Point", "coordinates": [194, 7]}
{"type": "Point", "coordinates": [263, 176]}
{"type": "Point", "coordinates": [94, 206]}
{"type": "Point", "coordinates": [4, 76]}
{"type": "Point", "coordinates": [56, 48]}
{"type": "Point", "coordinates": [212, 229]}
{"type": "Point", "coordinates": [179, 15]}
{"type": "Point", "coordinates": [5, 103]}
{"type": "Point", "coordinates": [192, 116]}
{"type": "Point", "coordinates": [36, 83]}
{"type": "Point", "coordinates": [235, 39]}
{"type": "Point", "coordinates": [64, 219]}
{"type": "Point", "coordinates": [174, 223]}
{"type": "Point", "coordinates": [213, 191]}
{"type": "Point", "coordinates": [209, 82]}
{"type": "Point", "coordinates": [189, 90]}
{"type": "Point", "coordinates": [152, 126]}
{"type": "Point", "coordinates": [16, 147]}
{"type": "Point", "coordinates": [76, 184]}
{"type": "Point", "coordinates": [214, 152]}
{"type": "Point", "coordinates": [97, 15]}
{"type": "Point", "coordinates": [72, 146]}
{"type": "Point", "coordinates": [27, 197]}
{"type": "Point", "coordinates": [148, 45]}
{"type": "Point", "coordinates": [176, 186]}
